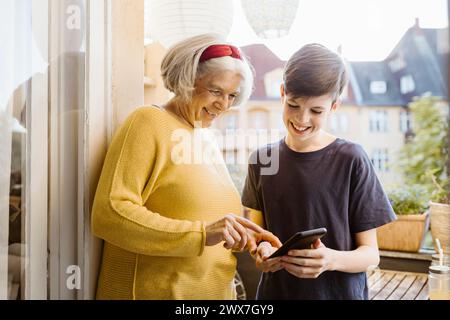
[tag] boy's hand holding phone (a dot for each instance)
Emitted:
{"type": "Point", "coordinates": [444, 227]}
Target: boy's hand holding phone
{"type": "Point", "coordinates": [309, 263]}
{"type": "Point", "coordinates": [262, 254]}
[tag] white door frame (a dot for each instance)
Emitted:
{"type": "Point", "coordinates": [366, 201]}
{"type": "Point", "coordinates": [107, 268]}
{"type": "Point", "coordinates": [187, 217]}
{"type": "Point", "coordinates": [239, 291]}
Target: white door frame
{"type": "Point", "coordinates": [98, 134]}
{"type": "Point", "coordinates": [35, 228]}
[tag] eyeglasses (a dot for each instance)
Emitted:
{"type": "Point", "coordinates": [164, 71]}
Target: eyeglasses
{"type": "Point", "coordinates": [218, 93]}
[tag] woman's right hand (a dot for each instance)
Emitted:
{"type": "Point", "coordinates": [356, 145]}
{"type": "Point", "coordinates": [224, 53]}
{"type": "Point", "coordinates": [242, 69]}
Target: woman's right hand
{"type": "Point", "coordinates": [265, 249]}
{"type": "Point", "coordinates": [231, 229]}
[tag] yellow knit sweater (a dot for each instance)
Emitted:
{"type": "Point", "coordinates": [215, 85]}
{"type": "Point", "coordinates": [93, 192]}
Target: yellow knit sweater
{"type": "Point", "coordinates": [151, 211]}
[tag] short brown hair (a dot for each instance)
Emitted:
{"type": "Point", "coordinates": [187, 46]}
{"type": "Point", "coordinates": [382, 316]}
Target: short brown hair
{"type": "Point", "coordinates": [314, 71]}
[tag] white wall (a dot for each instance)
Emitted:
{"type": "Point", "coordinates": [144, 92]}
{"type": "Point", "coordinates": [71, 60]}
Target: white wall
{"type": "Point", "coordinates": [115, 88]}
{"type": "Point", "coordinates": [127, 49]}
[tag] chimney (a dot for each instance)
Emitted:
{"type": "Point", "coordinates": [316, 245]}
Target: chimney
{"type": "Point", "coordinates": [416, 28]}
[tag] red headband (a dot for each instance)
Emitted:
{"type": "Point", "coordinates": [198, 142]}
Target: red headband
{"type": "Point", "coordinates": [220, 50]}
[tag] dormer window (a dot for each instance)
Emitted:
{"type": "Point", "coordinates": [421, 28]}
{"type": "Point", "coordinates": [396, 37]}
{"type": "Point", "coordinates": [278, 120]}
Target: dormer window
{"type": "Point", "coordinates": [378, 87]}
{"type": "Point", "coordinates": [272, 82]}
{"type": "Point", "coordinates": [407, 84]}
{"type": "Point", "coordinates": [397, 64]}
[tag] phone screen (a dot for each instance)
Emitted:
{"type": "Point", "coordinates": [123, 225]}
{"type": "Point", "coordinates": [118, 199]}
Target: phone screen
{"type": "Point", "coordinates": [300, 240]}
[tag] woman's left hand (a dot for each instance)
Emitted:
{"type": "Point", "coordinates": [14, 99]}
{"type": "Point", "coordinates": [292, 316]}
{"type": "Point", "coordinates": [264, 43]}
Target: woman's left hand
{"type": "Point", "coordinates": [309, 263]}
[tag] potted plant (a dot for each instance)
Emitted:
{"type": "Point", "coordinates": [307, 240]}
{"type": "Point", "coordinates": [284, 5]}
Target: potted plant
{"type": "Point", "coordinates": [407, 233]}
{"type": "Point", "coordinates": [440, 213]}
{"type": "Point", "coordinates": [424, 159]}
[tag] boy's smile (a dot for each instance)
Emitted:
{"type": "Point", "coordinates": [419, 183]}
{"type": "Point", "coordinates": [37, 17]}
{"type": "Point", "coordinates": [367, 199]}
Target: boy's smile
{"type": "Point", "coordinates": [300, 130]}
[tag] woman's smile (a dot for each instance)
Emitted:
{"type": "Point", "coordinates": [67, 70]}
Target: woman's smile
{"type": "Point", "coordinates": [210, 113]}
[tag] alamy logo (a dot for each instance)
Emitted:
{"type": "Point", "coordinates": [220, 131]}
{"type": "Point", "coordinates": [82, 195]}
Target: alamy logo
{"type": "Point", "coordinates": [202, 146]}
{"type": "Point", "coordinates": [73, 21]}
{"type": "Point", "coordinates": [74, 279]}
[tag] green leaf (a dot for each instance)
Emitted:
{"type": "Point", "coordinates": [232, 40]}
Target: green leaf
{"type": "Point", "coordinates": [423, 159]}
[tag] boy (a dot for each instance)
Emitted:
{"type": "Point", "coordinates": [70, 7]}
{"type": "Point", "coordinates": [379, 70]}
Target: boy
{"type": "Point", "coordinates": [322, 181]}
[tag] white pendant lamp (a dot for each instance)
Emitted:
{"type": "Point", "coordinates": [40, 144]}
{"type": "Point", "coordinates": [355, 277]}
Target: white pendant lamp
{"type": "Point", "coordinates": [270, 18]}
{"type": "Point", "coordinates": [169, 21]}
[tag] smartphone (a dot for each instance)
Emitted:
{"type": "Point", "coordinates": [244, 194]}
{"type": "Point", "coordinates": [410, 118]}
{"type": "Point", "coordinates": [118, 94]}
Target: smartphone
{"type": "Point", "coordinates": [300, 240]}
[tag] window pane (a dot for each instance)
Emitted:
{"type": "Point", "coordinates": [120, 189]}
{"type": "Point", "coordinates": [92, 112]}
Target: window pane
{"type": "Point", "coordinates": [231, 121]}
{"type": "Point", "coordinates": [22, 65]}
{"type": "Point", "coordinates": [41, 106]}
{"type": "Point", "coordinates": [259, 119]}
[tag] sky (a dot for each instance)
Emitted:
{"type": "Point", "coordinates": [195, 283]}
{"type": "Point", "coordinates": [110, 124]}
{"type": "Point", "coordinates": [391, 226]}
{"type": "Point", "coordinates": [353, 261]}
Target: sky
{"type": "Point", "coordinates": [367, 30]}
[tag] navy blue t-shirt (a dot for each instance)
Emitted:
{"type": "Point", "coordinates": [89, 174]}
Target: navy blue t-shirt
{"type": "Point", "coordinates": [336, 188]}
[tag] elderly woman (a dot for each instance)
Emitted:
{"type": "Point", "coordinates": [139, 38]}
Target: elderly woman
{"type": "Point", "coordinates": [162, 219]}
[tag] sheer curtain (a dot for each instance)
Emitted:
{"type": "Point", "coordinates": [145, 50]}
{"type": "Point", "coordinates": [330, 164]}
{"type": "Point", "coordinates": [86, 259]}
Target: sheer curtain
{"type": "Point", "coordinates": [5, 140]}
{"type": "Point", "coordinates": [12, 34]}
{"type": "Point", "coordinates": [20, 60]}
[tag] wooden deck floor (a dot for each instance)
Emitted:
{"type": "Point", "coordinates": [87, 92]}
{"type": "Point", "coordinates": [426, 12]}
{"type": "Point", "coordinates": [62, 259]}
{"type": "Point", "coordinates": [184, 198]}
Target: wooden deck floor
{"type": "Point", "coordinates": [397, 285]}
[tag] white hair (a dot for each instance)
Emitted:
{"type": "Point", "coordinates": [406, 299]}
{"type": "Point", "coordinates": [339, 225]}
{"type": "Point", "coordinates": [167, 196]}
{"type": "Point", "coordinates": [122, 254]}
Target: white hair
{"type": "Point", "coordinates": [180, 67]}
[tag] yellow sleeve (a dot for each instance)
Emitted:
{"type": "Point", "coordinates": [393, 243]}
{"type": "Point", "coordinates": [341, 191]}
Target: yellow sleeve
{"type": "Point", "coordinates": [255, 216]}
{"type": "Point", "coordinates": [119, 215]}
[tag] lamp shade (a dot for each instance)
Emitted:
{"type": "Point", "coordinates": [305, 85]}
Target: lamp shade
{"type": "Point", "coordinates": [270, 18]}
{"type": "Point", "coordinates": [170, 21]}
